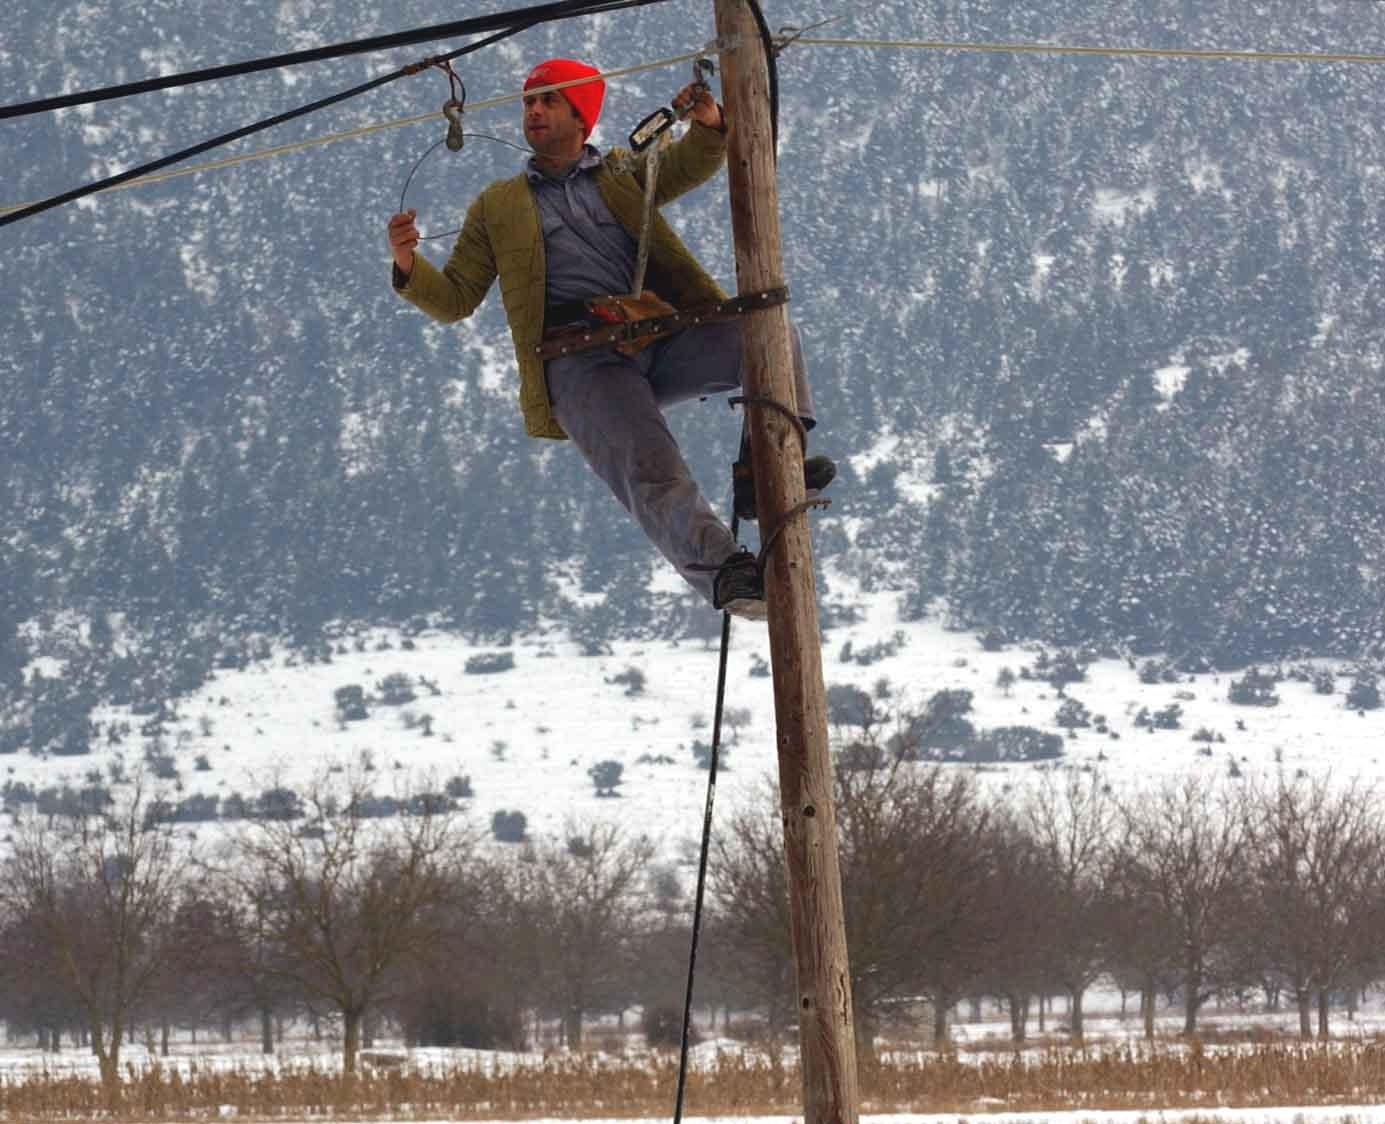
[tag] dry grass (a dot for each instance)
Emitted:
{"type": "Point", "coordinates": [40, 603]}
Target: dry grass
{"type": "Point", "coordinates": [1255, 1075]}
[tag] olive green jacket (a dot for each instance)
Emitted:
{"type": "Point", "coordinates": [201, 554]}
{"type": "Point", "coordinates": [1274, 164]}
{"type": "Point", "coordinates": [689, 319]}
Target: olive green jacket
{"type": "Point", "coordinates": [502, 237]}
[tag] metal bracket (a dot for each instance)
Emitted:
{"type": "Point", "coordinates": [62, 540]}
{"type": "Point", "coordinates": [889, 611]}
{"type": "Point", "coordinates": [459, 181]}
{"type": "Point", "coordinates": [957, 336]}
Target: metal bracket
{"type": "Point", "coordinates": [652, 128]}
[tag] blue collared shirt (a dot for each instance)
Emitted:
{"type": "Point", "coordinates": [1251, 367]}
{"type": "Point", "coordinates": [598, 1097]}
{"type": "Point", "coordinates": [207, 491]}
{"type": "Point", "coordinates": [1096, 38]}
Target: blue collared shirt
{"type": "Point", "coordinates": [588, 252]}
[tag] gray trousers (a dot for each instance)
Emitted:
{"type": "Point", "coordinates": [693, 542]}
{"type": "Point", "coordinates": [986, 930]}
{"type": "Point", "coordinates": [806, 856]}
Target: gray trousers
{"type": "Point", "coordinates": [611, 406]}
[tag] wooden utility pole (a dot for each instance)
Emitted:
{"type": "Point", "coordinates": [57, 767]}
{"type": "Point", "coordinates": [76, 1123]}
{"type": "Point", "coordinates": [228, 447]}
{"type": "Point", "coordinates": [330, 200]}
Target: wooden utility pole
{"type": "Point", "coordinates": [826, 1034]}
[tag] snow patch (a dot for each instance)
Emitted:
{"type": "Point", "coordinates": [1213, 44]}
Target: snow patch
{"type": "Point", "coordinates": [1168, 381]}
{"type": "Point", "coordinates": [1115, 207]}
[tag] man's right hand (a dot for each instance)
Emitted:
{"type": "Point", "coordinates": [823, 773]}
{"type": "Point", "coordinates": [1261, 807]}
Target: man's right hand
{"type": "Point", "coordinates": [403, 238]}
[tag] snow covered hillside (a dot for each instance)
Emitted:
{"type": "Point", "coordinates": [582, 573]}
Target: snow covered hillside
{"type": "Point", "coordinates": [527, 723]}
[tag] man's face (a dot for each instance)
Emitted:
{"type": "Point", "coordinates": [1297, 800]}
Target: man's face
{"type": "Point", "coordinates": [551, 126]}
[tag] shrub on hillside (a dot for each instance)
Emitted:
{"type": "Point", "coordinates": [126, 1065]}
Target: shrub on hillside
{"type": "Point", "coordinates": [509, 827]}
{"type": "Point", "coordinates": [942, 730]}
{"type": "Point", "coordinates": [1073, 715]}
{"type": "Point", "coordinates": [632, 679]}
{"type": "Point", "coordinates": [395, 690]}
{"type": "Point", "coordinates": [1364, 693]}
{"type": "Point", "coordinates": [1158, 671]}
{"type": "Point", "coordinates": [1166, 718]}
{"type": "Point", "coordinates": [849, 706]}
{"type": "Point", "coordinates": [1255, 688]}
{"type": "Point", "coordinates": [350, 703]}
{"type": "Point", "coordinates": [606, 778]}
{"type": "Point", "coordinates": [277, 804]}
{"type": "Point", "coordinates": [1060, 669]}
{"type": "Point", "coordinates": [1015, 743]}
{"type": "Point", "coordinates": [490, 663]}
{"type": "Point", "coordinates": [702, 754]}
{"type": "Point", "coordinates": [860, 757]}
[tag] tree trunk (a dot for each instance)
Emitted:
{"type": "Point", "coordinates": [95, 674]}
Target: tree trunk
{"type": "Point", "coordinates": [351, 1038]}
{"type": "Point", "coordinates": [1324, 1008]}
{"type": "Point", "coordinates": [1304, 998]}
{"type": "Point", "coordinates": [1148, 1000]}
{"type": "Point", "coordinates": [108, 1061]}
{"type": "Point", "coordinates": [164, 1033]}
{"type": "Point", "coordinates": [1019, 1017]}
{"type": "Point", "coordinates": [1192, 995]}
{"type": "Point", "coordinates": [266, 1031]}
{"type": "Point", "coordinates": [940, 1007]}
{"type": "Point", "coordinates": [1075, 1021]}
{"type": "Point", "coordinates": [572, 1027]}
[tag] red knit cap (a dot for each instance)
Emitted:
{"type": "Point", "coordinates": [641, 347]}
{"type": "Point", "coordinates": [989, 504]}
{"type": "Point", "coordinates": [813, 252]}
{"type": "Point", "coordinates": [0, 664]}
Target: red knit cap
{"type": "Point", "coordinates": [585, 99]}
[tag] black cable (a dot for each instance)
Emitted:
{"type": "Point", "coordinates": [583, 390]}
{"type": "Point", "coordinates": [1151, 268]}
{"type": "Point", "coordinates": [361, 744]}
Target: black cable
{"type": "Point", "coordinates": [542, 13]}
{"type": "Point", "coordinates": [237, 134]}
{"type": "Point", "coordinates": [772, 62]}
{"type": "Point", "coordinates": [712, 760]}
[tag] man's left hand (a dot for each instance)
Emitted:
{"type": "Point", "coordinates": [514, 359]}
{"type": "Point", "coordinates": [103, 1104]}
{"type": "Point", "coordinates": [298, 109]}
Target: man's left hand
{"type": "Point", "coordinates": [704, 108]}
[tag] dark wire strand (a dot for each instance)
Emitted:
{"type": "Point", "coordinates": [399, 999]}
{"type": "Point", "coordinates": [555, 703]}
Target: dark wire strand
{"type": "Point", "coordinates": [237, 134]}
{"type": "Point", "coordinates": [429, 152]}
{"type": "Point", "coordinates": [713, 759]}
{"type": "Point", "coordinates": [772, 62]}
{"type": "Point", "coordinates": [542, 13]}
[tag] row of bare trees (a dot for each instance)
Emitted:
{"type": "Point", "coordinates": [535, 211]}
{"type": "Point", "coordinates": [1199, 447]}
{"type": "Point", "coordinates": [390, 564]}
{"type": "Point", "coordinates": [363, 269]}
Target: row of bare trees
{"type": "Point", "coordinates": [1042, 886]}
{"type": "Point", "coordinates": [954, 890]}
{"type": "Point", "coordinates": [113, 918]}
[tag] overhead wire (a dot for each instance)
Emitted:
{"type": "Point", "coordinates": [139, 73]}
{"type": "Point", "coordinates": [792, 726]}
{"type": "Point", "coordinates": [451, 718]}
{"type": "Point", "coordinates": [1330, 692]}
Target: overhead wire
{"type": "Point", "coordinates": [28, 210]}
{"type": "Point", "coordinates": [148, 174]}
{"type": "Point", "coordinates": [475, 25]}
{"type": "Point", "coordinates": [1192, 53]}
{"type": "Point", "coordinates": [152, 174]}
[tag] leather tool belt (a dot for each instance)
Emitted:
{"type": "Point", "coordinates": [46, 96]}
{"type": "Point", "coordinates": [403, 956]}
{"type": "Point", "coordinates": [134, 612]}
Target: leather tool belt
{"type": "Point", "coordinates": [630, 324]}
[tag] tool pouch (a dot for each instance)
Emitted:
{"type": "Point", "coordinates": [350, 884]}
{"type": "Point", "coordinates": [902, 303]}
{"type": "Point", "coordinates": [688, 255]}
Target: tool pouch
{"type": "Point", "coordinates": [631, 310]}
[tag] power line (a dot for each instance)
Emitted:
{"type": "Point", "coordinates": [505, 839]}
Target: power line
{"type": "Point", "coordinates": [142, 177]}
{"type": "Point", "coordinates": [27, 211]}
{"type": "Point", "coordinates": [1115, 52]}
{"type": "Point", "coordinates": [542, 13]}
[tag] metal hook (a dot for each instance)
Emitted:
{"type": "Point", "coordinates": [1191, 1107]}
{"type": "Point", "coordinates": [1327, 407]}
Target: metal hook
{"type": "Point", "coordinates": [453, 110]}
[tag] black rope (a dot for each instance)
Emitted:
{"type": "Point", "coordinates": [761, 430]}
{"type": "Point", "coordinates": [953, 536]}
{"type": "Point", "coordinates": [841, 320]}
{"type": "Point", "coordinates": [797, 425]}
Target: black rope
{"type": "Point", "coordinates": [542, 13]}
{"type": "Point", "coordinates": [713, 759]}
{"type": "Point", "coordinates": [244, 131]}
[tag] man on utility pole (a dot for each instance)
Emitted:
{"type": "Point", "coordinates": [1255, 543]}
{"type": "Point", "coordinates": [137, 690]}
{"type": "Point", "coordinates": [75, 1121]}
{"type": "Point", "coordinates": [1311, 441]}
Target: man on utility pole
{"type": "Point", "coordinates": [805, 772]}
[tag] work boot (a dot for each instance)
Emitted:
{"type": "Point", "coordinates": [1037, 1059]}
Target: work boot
{"type": "Point", "coordinates": [818, 472]}
{"type": "Point", "coordinates": [739, 587]}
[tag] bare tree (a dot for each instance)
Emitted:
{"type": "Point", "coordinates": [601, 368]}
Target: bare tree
{"type": "Point", "coordinates": [98, 889]}
{"type": "Point", "coordinates": [1071, 818]}
{"type": "Point", "coordinates": [1022, 888]}
{"type": "Point", "coordinates": [1316, 862]}
{"type": "Point", "coordinates": [585, 893]}
{"type": "Point", "coordinates": [1182, 858]}
{"type": "Point", "coordinates": [749, 945]}
{"type": "Point", "coordinates": [1142, 945]}
{"type": "Point", "coordinates": [918, 858]}
{"type": "Point", "coordinates": [342, 898]}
